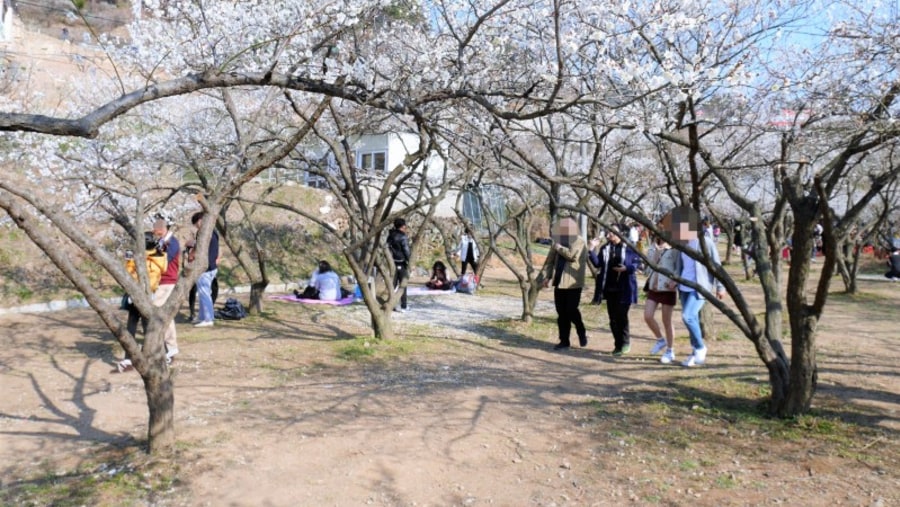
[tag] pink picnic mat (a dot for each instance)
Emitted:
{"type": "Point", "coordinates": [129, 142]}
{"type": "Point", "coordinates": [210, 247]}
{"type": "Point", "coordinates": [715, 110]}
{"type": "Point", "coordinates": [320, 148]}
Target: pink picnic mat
{"type": "Point", "coordinates": [290, 298]}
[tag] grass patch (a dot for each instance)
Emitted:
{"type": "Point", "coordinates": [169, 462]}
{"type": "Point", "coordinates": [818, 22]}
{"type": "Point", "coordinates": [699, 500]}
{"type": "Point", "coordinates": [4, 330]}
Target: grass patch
{"type": "Point", "coordinates": [725, 336]}
{"type": "Point", "coordinates": [127, 477]}
{"type": "Point", "coordinates": [688, 465]}
{"type": "Point", "coordinates": [367, 348]}
{"type": "Point", "coordinates": [357, 349]}
{"type": "Point", "coordinates": [23, 293]}
{"type": "Point", "coordinates": [709, 417]}
{"type": "Point", "coordinates": [726, 481]}
{"type": "Point", "coordinates": [859, 297]}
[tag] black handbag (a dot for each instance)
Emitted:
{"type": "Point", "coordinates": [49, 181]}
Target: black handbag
{"type": "Point", "coordinates": [125, 304]}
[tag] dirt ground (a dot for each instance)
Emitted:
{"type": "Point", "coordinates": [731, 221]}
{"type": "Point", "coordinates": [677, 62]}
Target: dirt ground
{"type": "Point", "coordinates": [466, 407]}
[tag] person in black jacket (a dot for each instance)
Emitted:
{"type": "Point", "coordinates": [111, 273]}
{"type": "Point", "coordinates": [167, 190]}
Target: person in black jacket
{"type": "Point", "coordinates": [893, 262]}
{"type": "Point", "coordinates": [617, 264]}
{"type": "Point", "coordinates": [398, 243]}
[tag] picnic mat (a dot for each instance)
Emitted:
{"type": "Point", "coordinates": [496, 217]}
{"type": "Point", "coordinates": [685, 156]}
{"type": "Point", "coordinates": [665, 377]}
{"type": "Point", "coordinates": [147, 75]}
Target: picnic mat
{"type": "Point", "coordinates": [290, 298]}
{"type": "Point", "coordinates": [425, 291]}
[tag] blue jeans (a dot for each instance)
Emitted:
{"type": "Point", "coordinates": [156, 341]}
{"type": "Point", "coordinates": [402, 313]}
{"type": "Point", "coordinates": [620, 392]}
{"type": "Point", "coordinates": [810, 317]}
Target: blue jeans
{"type": "Point", "coordinates": [691, 304]}
{"type": "Point", "coordinates": [204, 295]}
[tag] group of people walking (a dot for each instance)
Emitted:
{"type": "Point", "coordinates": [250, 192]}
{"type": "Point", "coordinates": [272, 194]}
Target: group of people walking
{"type": "Point", "coordinates": [616, 265]}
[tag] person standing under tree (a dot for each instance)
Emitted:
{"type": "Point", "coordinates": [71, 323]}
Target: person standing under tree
{"type": "Point", "coordinates": [617, 265]}
{"type": "Point", "coordinates": [565, 268]}
{"type": "Point", "coordinates": [468, 251]}
{"type": "Point", "coordinates": [817, 240]}
{"type": "Point", "coordinates": [661, 293]}
{"type": "Point", "coordinates": [737, 243]}
{"type": "Point", "coordinates": [398, 244]}
{"type": "Point", "coordinates": [156, 266]}
{"type": "Point", "coordinates": [168, 243]}
{"type": "Point", "coordinates": [683, 226]}
{"type": "Point", "coordinates": [206, 312]}
{"type": "Point", "coordinates": [893, 262]}
{"type": "Point", "coordinates": [192, 295]}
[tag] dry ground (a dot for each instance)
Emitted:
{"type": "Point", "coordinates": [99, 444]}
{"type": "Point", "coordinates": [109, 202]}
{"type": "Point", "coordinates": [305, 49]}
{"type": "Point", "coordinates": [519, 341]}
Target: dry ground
{"type": "Point", "coordinates": [466, 407]}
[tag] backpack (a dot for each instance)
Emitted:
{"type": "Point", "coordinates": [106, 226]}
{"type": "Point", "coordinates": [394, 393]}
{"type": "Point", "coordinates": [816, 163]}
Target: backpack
{"type": "Point", "coordinates": [467, 283]}
{"type": "Point", "coordinates": [233, 310]}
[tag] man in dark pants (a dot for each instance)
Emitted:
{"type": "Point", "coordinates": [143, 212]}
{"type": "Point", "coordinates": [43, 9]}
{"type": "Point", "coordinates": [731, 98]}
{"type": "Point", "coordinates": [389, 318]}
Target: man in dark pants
{"type": "Point", "coordinates": [565, 267]}
{"type": "Point", "coordinates": [398, 243]}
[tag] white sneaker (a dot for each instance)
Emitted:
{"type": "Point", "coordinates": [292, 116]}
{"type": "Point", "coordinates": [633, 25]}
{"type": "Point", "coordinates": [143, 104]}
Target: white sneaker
{"type": "Point", "coordinates": [668, 357]}
{"type": "Point", "coordinates": [124, 365]}
{"type": "Point", "coordinates": [658, 346]}
{"type": "Point", "coordinates": [700, 354]}
{"type": "Point", "coordinates": [171, 352]}
{"type": "Point", "coordinates": [205, 323]}
{"type": "Point", "coordinates": [695, 359]}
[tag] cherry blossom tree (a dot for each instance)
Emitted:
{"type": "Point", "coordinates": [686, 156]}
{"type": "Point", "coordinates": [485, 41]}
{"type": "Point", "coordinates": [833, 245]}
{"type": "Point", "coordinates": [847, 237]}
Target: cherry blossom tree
{"type": "Point", "coordinates": [840, 117]}
{"type": "Point", "coordinates": [647, 69]}
{"type": "Point", "coordinates": [181, 52]}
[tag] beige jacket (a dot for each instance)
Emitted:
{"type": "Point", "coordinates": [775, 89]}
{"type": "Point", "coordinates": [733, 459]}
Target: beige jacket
{"type": "Point", "coordinates": [666, 258]}
{"type": "Point", "coordinates": [575, 268]}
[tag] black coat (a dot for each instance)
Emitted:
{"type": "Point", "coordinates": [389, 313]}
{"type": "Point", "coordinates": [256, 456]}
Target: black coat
{"type": "Point", "coordinates": [398, 243]}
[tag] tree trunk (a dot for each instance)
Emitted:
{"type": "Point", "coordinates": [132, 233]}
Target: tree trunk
{"type": "Point", "coordinates": [745, 261]}
{"type": "Point", "coordinates": [707, 323]}
{"type": "Point", "coordinates": [729, 230]}
{"type": "Point", "coordinates": [161, 402]}
{"type": "Point", "coordinates": [847, 264]}
{"type": "Point", "coordinates": [483, 262]}
{"type": "Point", "coordinates": [804, 372]}
{"type": "Point", "coordinates": [779, 380]}
{"type": "Point", "coordinates": [769, 347]}
{"type": "Point", "coordinates": [854, 270]}
{"type": "Point", "coordinates": [382, 325]}
{"type": "Point", "coordinates": [530, 292]}
{"type": "Point", "coordinates": [257, 289]}
{"type": "Point", "coordinates": [803, 320]}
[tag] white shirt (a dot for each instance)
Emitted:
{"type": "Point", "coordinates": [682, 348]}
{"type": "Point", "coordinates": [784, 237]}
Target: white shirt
{"type": "Point", "coordinates": [329, 286]}
{"type": "Point", "coordinates": [464, 248]}
{"type": "Point", "coordinates": [689, 267]}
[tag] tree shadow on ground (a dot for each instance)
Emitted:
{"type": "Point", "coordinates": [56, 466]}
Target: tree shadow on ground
{"type": "Point", "coordinates": [271, 326]}
{"type": "Point", "coordinates": [67, 419]}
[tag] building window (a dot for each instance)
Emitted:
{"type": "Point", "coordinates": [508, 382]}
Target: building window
{"type": "Point", "coordinates": [373, 162]}
{"type": "Point", "coordinates": [315, 180]}
{"type": "Point", "coordinates": [478, 200]}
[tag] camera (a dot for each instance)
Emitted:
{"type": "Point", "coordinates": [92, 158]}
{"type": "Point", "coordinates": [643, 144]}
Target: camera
{"type": "Point", "coordinates": [150, 242]}
{"type": "Point", "coordinates": [163, 243]}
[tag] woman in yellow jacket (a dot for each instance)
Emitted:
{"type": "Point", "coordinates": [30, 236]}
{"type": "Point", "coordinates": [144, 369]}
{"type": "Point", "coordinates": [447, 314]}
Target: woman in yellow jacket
{"type": "Point", "coordinates": [156, 266]}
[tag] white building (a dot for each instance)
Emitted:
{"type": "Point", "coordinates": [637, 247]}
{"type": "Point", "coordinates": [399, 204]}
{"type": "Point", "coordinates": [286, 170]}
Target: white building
{"type": "Point", "coordinates": [376, 155]}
